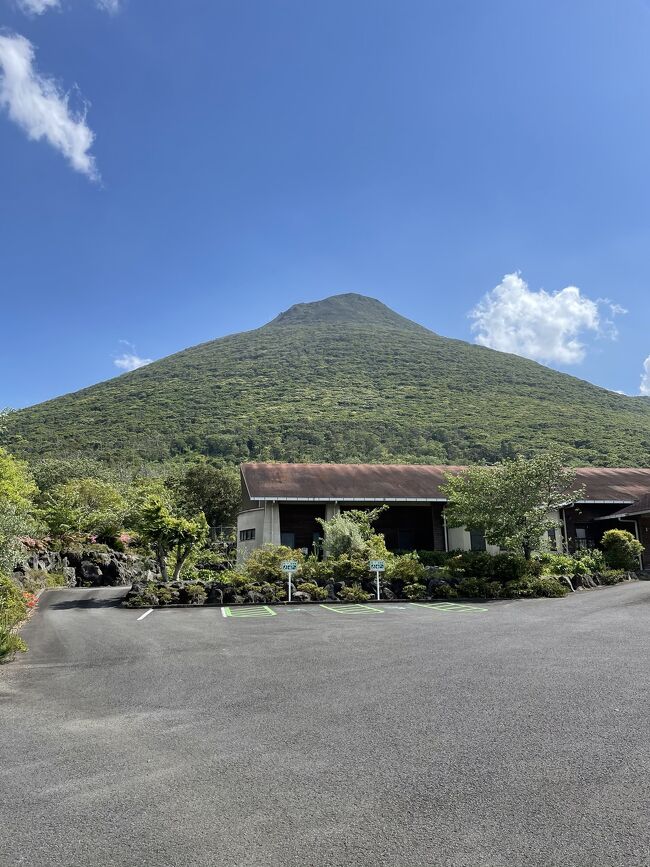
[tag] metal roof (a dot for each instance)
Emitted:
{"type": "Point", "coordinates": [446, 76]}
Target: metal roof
{"type": "Point", "coordinates": [409, 482]}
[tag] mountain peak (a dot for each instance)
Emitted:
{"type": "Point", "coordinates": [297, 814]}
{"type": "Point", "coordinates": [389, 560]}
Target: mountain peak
{"type": "Point", "coordinates": [350, 308]}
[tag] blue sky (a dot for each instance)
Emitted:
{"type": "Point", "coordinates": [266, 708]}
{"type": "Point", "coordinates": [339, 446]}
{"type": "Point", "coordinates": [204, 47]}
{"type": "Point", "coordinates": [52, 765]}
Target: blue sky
{"type": "Point", "coordinates": [238, 157]}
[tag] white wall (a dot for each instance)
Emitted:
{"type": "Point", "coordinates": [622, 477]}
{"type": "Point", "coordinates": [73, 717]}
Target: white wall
{"type": "Point", "coordinates": [460, 540]}
{"type": "Point", "coordinates": [252, 519]}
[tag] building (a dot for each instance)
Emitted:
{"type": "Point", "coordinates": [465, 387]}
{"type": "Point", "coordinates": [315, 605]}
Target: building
{"type": "Point", "coordinates": [281, 504]}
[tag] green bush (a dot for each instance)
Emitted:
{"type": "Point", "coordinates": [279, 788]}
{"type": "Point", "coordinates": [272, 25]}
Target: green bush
{"type": "Point", "coordinates": [406, 568]}
{"type": "Point", "coordinates": [415, 591]}
{"type": "Point", "coordinates": [145, 598]}
{"type": "Point", "coordinates": [263, 564]}
{"type": "Point", "coordinates": [314, 590]}
{"type": "Point", "coordinates": [622, 550]}
{"type": "Point", "coordinates": [433, 558]}
{"type": "Point", "coordinates": [164, 594]}
{"type": "Point", "coordinates": [530, 587]}
{"type": "Point", "coordinates": [195, 594]}
{"type": "Point", "coordinates": [346, 568]}
{"type": "Point", "coordinates": [10, 643]}
{"type": "Point", "coordinates": [13, 608]}
{"type": "Point", "coordinates": [354, 593]}
{"type": "Point", "coordinates": [55, 579]}
{"type": "Point", "coordinates": [612, 576]}
{"type": "Point", "coordinates": [444, 591]}
{"type": "Point", "coordinates": [470, 587]}
{"type": "Point", "coordinates": [315, 571]}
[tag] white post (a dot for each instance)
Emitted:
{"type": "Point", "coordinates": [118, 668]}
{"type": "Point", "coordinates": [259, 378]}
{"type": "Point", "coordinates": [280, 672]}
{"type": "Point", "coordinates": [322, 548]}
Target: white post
{"type": "Point", "coordinates": [290, 574]}
{"type": "Point", "coordinates": [377, 574]}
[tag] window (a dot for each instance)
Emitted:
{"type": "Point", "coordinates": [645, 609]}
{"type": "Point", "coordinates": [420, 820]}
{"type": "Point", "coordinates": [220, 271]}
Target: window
{"type": "Point", "coordinates": [288, 539]}
{"type": "Point", "coordinates": [246, 535]}
{"type": "Point", "coordinates": [477, 540]}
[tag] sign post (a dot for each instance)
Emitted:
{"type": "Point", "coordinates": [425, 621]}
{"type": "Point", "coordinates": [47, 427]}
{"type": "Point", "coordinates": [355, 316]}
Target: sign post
{"type": "Point", "coordinates": [290, 567]}
{"type": "Point", "coordinates": [377, 566]}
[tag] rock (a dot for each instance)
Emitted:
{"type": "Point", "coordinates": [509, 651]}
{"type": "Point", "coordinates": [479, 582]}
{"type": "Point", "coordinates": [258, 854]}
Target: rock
{"type": "Point", "coordinates": [254, 598]}
{"type": "Point", "coordinates": [387, 593]}
{"type": "Point", "coordinates": [70, 575]}
{"type": "Point", "coordinates": [215, 595]}
{"type": "Point", "coordinates": [91, 572]}
{"type": "Point", "coordinates": [300, 596]}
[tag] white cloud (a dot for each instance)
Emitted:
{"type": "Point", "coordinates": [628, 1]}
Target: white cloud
{"type": "Point", "coordinates": [130, 361]}
{"type": "Point", "coordinates": [37, 7]}
{"type": "Point", "coordinates": [40, 107]}
{"type": "Point", "coordinates": [111, 6]}
{"type": "Point", "coordinates": [541, 325]}
{"type": "Point", "coordinates": [645, 378]}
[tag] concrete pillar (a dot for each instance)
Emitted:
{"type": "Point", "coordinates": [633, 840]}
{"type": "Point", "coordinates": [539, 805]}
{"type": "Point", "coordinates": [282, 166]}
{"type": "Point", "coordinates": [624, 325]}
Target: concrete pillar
{"type": "Point", "coordinates": [332, 510]}
{"type": "Point", "coordinates": [271, 523]}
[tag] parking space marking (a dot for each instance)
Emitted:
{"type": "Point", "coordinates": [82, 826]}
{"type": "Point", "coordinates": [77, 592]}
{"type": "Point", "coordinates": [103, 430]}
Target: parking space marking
{"type": "Point", "coordinates": [142, 616]}
{"type": "Point", "coordinates": [450, 607]}
{"type": "Point", "coordinates": [353, 608]}
{"type": "Point", "coordinates": [249, 611]}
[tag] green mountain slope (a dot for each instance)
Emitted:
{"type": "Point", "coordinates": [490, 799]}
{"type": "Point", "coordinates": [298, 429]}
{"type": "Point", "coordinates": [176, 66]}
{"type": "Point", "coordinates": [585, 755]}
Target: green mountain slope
{"type": "Point", "coordinates": [344, 379]}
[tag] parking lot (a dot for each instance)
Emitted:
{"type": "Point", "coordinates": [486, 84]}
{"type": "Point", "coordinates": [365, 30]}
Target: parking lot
{"type": "Point", "coordinates": [507, 733]}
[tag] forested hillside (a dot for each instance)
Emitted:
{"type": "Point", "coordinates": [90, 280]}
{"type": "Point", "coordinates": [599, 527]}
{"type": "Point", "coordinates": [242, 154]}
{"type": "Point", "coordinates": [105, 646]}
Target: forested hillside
{"type": "Point", "coordinates": [344, 379]}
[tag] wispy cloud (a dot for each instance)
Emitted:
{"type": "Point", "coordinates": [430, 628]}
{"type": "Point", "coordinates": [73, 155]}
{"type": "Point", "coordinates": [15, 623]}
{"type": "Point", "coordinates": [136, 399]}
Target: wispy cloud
{"type": "Point", "coordinates": [37, 7]}
{"type": "Point", "coordinates": [130, 360]}
{"type": "Point", "coordinates": [110, 6]}
{"type": "Point", "coordinates": [645, 378]}
{"type": "Point", "coordinates": [38, 105]}
{"type": "Point", "coordinates": [547, 327]}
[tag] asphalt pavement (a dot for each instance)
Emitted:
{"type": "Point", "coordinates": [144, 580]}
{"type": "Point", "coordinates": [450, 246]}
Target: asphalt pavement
{"type": "Point", "coordinates": [514, 733]}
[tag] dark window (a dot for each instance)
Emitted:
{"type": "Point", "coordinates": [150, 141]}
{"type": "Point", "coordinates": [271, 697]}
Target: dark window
{"type": "Point", "coordinates": [246, 535]}
{"type": "Point", "coordinates": [477, 540]}
{"type": "Point", "coordinates": [288, 539]}
{"type": "Point", "coordinates": [406, 540]}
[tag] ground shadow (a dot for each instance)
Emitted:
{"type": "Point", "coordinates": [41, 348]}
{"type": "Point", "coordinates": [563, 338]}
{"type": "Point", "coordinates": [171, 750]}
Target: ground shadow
{"type": "Point", "coordinates": [88, 602]}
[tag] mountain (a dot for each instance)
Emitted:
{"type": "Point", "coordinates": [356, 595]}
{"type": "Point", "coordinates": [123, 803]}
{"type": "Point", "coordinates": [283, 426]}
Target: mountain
{"type": "Point", "coordinates": [343, 379]}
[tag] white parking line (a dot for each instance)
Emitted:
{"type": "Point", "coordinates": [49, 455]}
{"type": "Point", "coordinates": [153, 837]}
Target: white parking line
{"type": "Point", "coordinates": [142, 616]}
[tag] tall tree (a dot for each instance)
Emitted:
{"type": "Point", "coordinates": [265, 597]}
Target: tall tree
{"type": "Point", "coordinates": [511, 503]}
{"type": "Point", "coordinates": [172, 538]}
{"type": "Point", "coordinates": [215, 491]}
{"type": "Point", "coordinates": [17, 489]}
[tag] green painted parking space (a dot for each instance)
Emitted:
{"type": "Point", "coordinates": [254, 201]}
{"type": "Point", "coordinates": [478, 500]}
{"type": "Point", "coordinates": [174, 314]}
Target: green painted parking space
{"type": "Point", "coordinates": [353, 608]}
{"type": "Point", "coordinates": [450, 607]}
{"type": "Point", "coordinates": [249, 611]}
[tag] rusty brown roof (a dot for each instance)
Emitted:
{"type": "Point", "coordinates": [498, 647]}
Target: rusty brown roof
{"type": "Point", "coordinates": [385, 482]}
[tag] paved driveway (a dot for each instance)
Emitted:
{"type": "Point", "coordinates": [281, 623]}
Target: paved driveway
{"type": "Point", "coordinates": [516, 735]}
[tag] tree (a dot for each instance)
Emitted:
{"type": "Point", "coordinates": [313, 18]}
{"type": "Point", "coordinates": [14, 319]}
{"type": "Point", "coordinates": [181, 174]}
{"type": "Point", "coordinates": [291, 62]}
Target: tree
{"type": "Point", "coordinates": [512, 502]}
{"type": "Point", "coordinates": [84, 507]}
{"type": "Point", "coordinates": [352, 533]}
{"type": "Point", "coordinates": [622, 550]}
{"type": "Point", "coordinates": [215, 491]}
{"type": "Point", "coordinates": [172, 539]}
{"type": "Point", "coordinates": [17, 489]}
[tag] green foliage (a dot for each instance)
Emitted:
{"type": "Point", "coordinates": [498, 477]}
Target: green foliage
{"type": "Point", "coordinates": [511, 502]}
{"type": "Point", "coordinates": [317, 571]}
{"type": "Point", "coordinates": [415, 591]}
{"type": "Point", "coordinates": [314, 590]}
{"type": "Point", "coordinates": [10, 643]}
{"type": "Point", "coordinates": [444, 591]}
{"type": "Point", "coordinates": [613, 576]}
{"type": "Point", "coordinates": [215, 491]}
{"type": "Point", "coordinates": [263, 564]}
{"type": "Point", "coordinates": [397, 393]}
{"type": "Point", "coordinates": [529, 587]}
{"type": "Point", "coordinates": [622, 550]}
{"type": "Point", "coordinates": [354, 593]}
{"type": "Point", "coordinates": [406, 568]}
{"type": "Point", "coordinates": [194, 594]}
{"type": "Point", "coordinates": [17, 489]}
{"type": "Point", "coordinates": [172, 538]}
{"type": "Point", "coordinates": [500, 567]}
{"type": "Point", "coordinates": [350, 533]}
{"type": "Point", "coordinates": [84, 507]}
{"type": "Point", "coordinates": [13, 608]}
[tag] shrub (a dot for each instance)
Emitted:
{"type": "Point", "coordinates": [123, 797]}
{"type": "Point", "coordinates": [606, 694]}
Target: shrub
{"type": "Point", "coordinates": [622, 550]}
{"type": "Point", "coordinates": [10, 643]}
{"type": "Point", "coordinates": [444, 591]}
{"type": "Point", "coordinates": [354, 593]}
{"type": "Point", "coordinates": [314, 590]}
{"type": "Point", "coordinates": [433, 558]}
{"type": "Point", "coordinates": [317, 571]}
{"type": "Point", "coordinates": [195, 594]}
{"type": "Point", "coordinates": [145, 597]}
{"type": "Point", "coordinates": [55, 579]}
{"type": "Point", "coordinates": [164, 594]}
{"type": "Point", "coordinates": [263, 565]}
{"type": "Point", "coordinates": [530, 587]}
{"type": "Point", "coordinates": [470, 587]}
{"type": "Point", "coordinates": [612, 576]}
{"type": "Point", "coordinates": [13, 607]}
{"type": "Point", "coordinates": [406, 568]}
{"type": "Point", "coordinates": [346, 568]}
{"type": "Point", "coordinates": [415, 591]}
